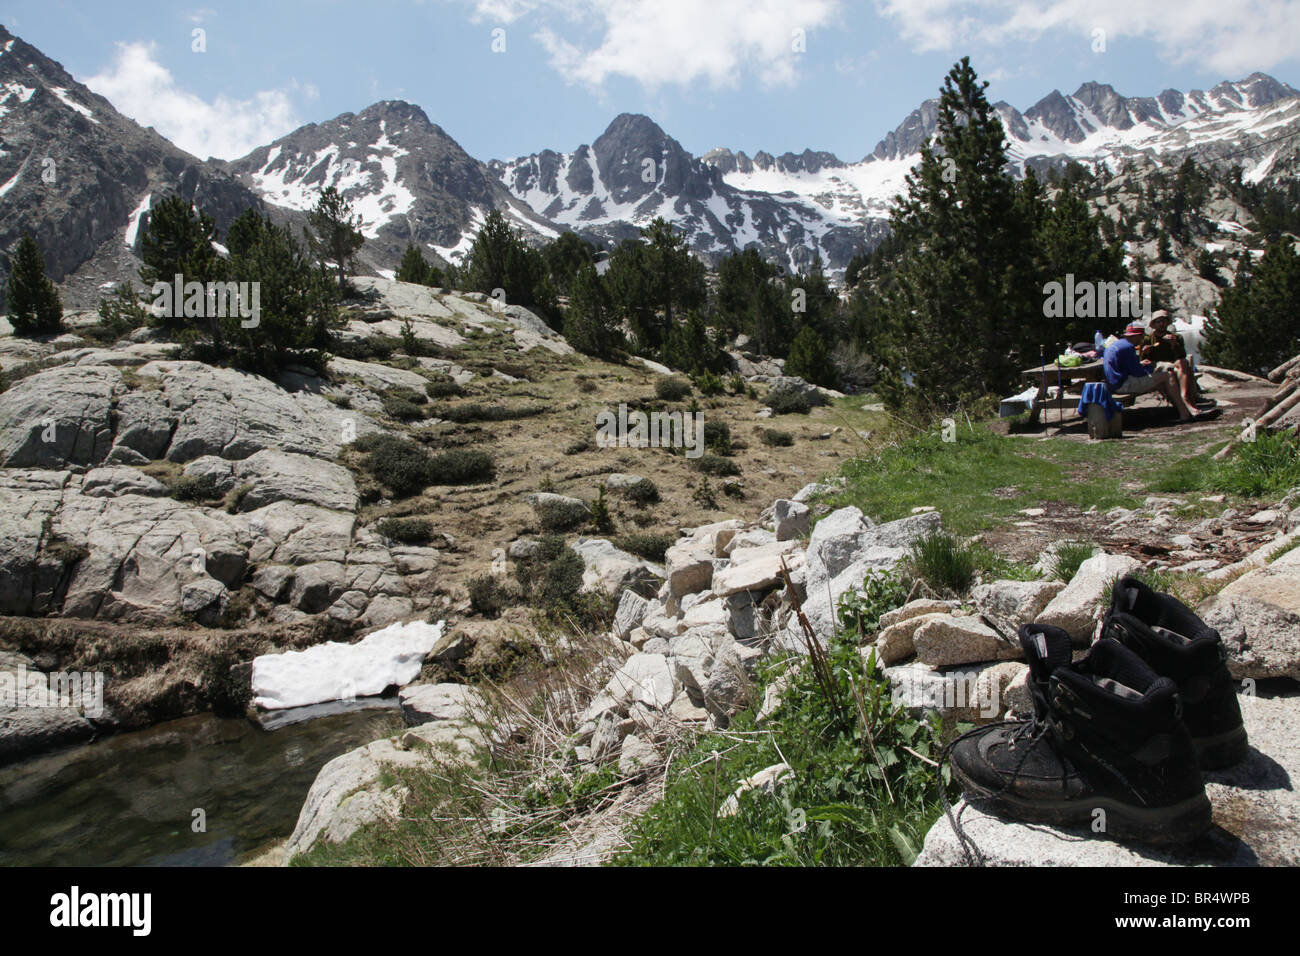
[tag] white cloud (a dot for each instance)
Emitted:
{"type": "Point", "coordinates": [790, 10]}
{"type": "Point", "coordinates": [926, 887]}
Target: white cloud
{"type": "Point", "coordinates": [145, 90]}
{"type": "Point", "coordinates": [1230, 38]}
{"type": "Point", "coordinates": [664, 42]}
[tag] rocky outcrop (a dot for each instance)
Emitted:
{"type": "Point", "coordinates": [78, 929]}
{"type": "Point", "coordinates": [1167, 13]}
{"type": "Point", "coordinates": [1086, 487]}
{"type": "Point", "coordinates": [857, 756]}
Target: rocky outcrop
{"type": "Point", "coordinates": [1258, 617]}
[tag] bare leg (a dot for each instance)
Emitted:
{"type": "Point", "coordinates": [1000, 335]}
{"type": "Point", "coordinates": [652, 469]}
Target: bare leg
{"type": "Point", "coordinates": [1169, 388]}
{"type": "Point", "coordinates": [1187, 384]}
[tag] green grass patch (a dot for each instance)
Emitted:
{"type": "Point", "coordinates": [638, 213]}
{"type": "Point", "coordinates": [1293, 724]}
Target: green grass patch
{"type": "Point", "coordinates": [960, 478]}
{"type": "Point", "coordinates": [853, 796]}
{"type": "Point", "coordinates": [943, 562]}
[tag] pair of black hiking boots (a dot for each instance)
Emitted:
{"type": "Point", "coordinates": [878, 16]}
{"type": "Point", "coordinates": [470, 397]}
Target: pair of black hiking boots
{"type": "Point", "coordinates": [1118, 740]}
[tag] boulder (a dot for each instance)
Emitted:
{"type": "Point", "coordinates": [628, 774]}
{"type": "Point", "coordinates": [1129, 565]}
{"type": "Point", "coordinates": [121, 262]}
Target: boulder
{"type": "Point", "coordinates": [1080, 604]}
{"type": "Point", "coordinates": [913, 609]}
{"type": "Point", "coordinates": [632, 609]}
{"type": "Point", "coordinates": [790, 519]}
{"type": "Point", "coordinates": [757, 569]}
{"type": "Point", "coordinates": [234, 414]}
{"type": "Point", "coordinates": [113, 481]}
{"type": "Point", "coordinates": [272, 476]}
{"type": "Point", "coordinates": [636, 755]}
{"type": "Point", "coordinates": [350, 792]}
{"type": "Point", "coordinates": [835, 543]}
{"type": "Point", "coordinates": [688, 565]}
{"type": "Point", "coordinates": [646, 678]}
{"type": "Point", "coordinates": [422, 703]}
{"type": "Point", "coordinates": [946, 640]}
{"type": "Point", "coordinates": [612, 570]}
{"type": "Point", "coordinates": [387, 658]}
{"type": "Point", "coordinates": [897, 642]}
{"type": "Point", "coordinates": [730, 686]}
{"type": "Point", "coordinates": [953, 692]}
{"type": "Point", "coordinates": [37, 714]}
{"type": "Point", "coordinates": [1258, 617]}
{"type": "Point", "coordinates": [1015, 602]}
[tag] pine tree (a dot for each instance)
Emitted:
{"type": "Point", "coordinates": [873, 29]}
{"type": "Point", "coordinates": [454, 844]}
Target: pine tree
{"type": "Point", "coordinates": [334, 233]}
{"type": "Point", "coordinates": [964, 312]}
{"type": "Point", "coordinates": [749, 300]}
{"type": "Point", "coordinates": [810, 359]}
{"type": "Point", "coordinates": [588, 323]}
{"type": "Point", "coordinates": [178, 241]}
{"type": "Point", "coordinates": [298, 299]}
{"type": "Point", "coordinates": [415, 268]}
{"type": "Point", "coordinates": [1068, 240]}
{"type": "Point", "coordinates": [499, 260]}
{"type": "Point", "coordinates": [31, 299]}
{"type": "Point", "coordinates": [565, 257]}
{"type": "Point", "coordinates": [1258, 325]}
{"type": "Point", "coordinates": [676, 277]}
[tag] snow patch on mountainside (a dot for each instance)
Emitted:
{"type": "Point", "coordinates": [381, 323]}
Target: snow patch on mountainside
{"type": "Point", "coordinates": [133, 223]}
{"type": "Point", "coordinates": [372, 185]}
{"type": "Point", "coordinates": [67, 100]}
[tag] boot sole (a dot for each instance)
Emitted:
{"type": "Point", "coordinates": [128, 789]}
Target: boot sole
{"type": "Point", "coordinates": [1222, 750]}
{"type": "Point", "coordinates": [1177, 823]}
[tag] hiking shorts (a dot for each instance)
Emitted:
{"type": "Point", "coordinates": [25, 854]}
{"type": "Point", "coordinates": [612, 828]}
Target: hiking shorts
{"type": "Point", "coordinates": [1136, 385]}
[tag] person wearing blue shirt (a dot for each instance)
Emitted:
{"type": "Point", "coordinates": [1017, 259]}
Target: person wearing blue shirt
{"type": "Point", "coordinates": [1126, 375]}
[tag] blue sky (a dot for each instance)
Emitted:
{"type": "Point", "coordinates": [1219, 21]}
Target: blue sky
{"type": "Point", "coordinates": [711, 72]}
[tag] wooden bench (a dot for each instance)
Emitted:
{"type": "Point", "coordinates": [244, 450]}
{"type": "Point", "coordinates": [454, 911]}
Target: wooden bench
{"type": "Point", "coordinates": [1072, 380]}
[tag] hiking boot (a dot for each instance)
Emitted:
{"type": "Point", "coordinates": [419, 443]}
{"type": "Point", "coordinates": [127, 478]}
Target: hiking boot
{"type": "Point", "coordinates": [1177, 644]}
{"type": "Point", "coordinates": [1106, 735]}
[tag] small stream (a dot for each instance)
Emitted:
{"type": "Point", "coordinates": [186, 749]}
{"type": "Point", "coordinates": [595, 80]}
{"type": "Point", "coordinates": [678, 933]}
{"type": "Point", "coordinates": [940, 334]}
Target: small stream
{"type": "Point", "coordinates": [128, 800]}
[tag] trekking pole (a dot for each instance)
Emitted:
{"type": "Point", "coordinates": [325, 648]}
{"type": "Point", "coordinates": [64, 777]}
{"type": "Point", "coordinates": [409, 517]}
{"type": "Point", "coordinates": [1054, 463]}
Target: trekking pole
{"type": "Point", "coordinates": [1060, 392]}
{"type": "Point", "coordinates": [1042, 366]}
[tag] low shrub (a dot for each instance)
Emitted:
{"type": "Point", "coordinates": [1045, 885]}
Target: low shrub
{"type": "Point", "coordinates": [671, 388]}
{"type": "Point", "coordinates": [788, 401]}
{"type": "Point", "coordinates": [711, 464]}
{"type": "Point", "coordinates": [406, 530]}
{"type": "Point", "coordinates": [717, 437]}
{"type": "Point", "coordinates": [709, 384]}
{"type": "Point", "coordinates": [644, 492]}
{"type": "Point", "coordinates": [462, 467]}
{"type": "Point", "coordinates": [776, 438]}
{"type": "Point", "coordinates": [652, 547]}
{"type": "Point", "coordinates": [399, 464]}
{"type": "Point", "coordinates": [475, 412]}
{"type": "Point", "coordinates": [601, 519]}
{"type": "Point", "coordinates": [490, 594]}
{"type": "Point", "coordinates": [444, 389]}
{"type": "Point", "coordinates": [196, 488]}
{"type": "Point", "coordinates": [561, 516]}
{"type": "Point", "coordinates": [403, 405]}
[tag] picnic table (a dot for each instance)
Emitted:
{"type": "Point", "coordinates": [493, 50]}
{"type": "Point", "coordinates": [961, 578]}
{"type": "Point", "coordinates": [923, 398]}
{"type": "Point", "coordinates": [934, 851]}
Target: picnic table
{"type": "Point", "coordinates": [1072, 380]}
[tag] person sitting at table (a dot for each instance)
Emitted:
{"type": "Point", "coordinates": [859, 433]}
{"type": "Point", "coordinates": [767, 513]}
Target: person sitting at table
{"type": "Point", "coordinates": [1162, 344]}
{"type": "Point", "coordinates": [1126, 375]}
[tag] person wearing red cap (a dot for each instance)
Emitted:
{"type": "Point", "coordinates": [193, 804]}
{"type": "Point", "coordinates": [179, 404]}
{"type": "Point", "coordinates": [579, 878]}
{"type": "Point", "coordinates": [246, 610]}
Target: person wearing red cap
{"type": "Point", "coordinates": [1126, 375]}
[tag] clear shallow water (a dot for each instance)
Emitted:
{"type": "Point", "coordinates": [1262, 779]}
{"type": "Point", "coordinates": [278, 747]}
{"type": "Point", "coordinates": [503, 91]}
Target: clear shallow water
{"type": "Point", "coordinates": [128, 800]}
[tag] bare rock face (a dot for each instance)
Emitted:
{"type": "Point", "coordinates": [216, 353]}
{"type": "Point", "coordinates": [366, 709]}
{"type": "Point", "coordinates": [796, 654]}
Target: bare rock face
{"type": "Point", "coordinates": [59, 418]}
{"type": "Point", "coordinates": [1258, 617]}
